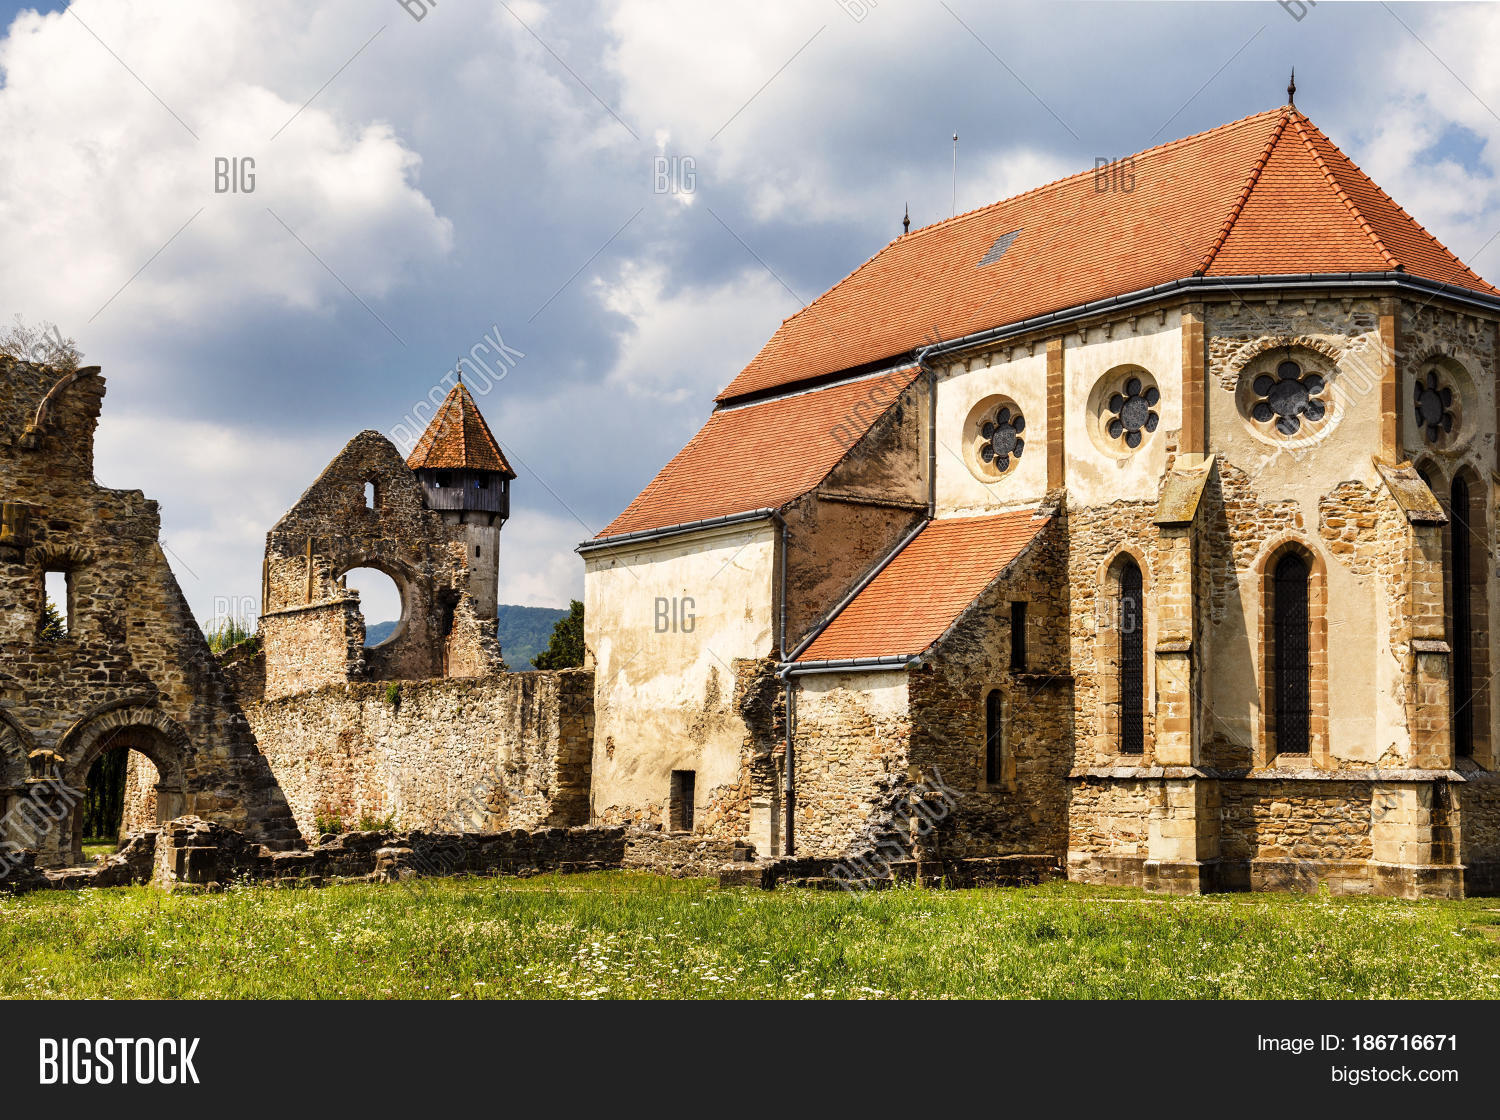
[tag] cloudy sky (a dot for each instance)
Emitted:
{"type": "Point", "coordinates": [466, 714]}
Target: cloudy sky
{"type": "Point", "coordinates": [612, 204]}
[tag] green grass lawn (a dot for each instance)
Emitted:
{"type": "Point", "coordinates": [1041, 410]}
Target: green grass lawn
{"type": "Point", "coordinates": [622, 934]}
{"type": "Point", "coordinates": [96, 846]}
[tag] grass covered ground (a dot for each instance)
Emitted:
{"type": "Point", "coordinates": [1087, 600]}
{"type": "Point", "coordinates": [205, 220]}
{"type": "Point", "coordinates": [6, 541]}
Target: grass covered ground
{"type": "Point", "coordinates": [620, 934]}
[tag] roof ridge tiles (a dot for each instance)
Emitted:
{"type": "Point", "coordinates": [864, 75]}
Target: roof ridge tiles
{"type": "Point", "coordinates": [1384, 194]}
{"type": "Point", "coordinates": [1239, 204]}
{"type": "Point", "coordinates": [943, 223]}
{"type": "Point", "coordinates": [1359, 216]}
{"type": "Point", "coordinates": [1155, 148]}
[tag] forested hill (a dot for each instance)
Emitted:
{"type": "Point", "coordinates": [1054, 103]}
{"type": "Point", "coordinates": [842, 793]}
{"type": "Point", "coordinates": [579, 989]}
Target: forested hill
{"type": "Point", "coordinates": [524, 632]}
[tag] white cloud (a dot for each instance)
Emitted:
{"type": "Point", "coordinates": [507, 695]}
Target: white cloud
{"type": "Point", "coordinates": [538, 567]}
{"type": "Point", "coordinates": [687, 344]}
{"type": "Point", "coordinates": [220, 489]}
{"type": "Point", "coordinates": [102, 172]}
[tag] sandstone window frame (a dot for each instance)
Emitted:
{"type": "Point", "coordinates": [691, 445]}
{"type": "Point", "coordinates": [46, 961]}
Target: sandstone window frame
{"type": "Point", "coordinates": [1455, 441]}
{"type": "Point", "coordinates": [1111, 404]}
{"type": "Point", "coordinates": [1476, 629]}
{"type": "Point", "coordinates": [1108, 651]}
{"type": "Point", "coordinates": [1265, 748]}
{"type": "Point", "coordinates": [1265, 365]}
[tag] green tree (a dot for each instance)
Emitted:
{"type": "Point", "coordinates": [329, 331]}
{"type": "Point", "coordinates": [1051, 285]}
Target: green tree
{"type": "Point", "coordinates": [53, 626]}
{"type": "Point", "coordinates": [565, 651]}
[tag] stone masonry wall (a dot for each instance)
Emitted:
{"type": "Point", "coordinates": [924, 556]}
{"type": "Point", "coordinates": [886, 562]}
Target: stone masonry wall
{"type": "Point", "coordinates": [133, 671]}
{"type": "Point", "coordinates": [311, 624]}
{"type": "Point", "coordinates": [503, 752]}
{"type": "Point", "coordinates": [1026, 810]}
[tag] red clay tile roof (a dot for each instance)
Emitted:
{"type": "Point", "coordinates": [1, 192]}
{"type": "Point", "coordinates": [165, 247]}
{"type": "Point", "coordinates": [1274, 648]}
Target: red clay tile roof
{"type": "Point", "coordinates": [1269, 194]}
{"type": "Point", "coordinates": [919, 594]}
{"type": "Point", "coordinates": [762, 455]}
{"type": "Point", "coordinates": [459, 439]}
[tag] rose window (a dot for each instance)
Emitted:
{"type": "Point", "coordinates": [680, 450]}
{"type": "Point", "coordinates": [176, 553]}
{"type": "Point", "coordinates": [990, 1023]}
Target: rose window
{"type": "Point", "coordinates": [1288, 397]}
{"type": "Point", "coordinates": [1002, 438]}
{"type": "Point", "coordinates": [1133, 412]}
{"type": "Point", "coordinates": [1434, 403]}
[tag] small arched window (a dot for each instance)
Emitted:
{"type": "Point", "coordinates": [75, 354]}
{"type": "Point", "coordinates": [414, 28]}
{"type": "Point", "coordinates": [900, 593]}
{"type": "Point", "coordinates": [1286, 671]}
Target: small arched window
{"type": "Point", "coordinates": [371, 495]}
{"type": "Point", "coordinates": [993, 737]}
{"type": "Point", "coordinates": [1132, 665]}
{"type": "Point", "coordinates": [1290, 653]}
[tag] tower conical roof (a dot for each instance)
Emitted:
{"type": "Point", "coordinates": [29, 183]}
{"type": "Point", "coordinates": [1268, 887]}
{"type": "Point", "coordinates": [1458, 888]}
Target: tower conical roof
{"type": "Point", "coordinates": [458, 439]}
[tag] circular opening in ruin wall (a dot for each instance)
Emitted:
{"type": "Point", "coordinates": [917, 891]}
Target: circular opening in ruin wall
{"type": "Point", "coordinates": [381, 602]}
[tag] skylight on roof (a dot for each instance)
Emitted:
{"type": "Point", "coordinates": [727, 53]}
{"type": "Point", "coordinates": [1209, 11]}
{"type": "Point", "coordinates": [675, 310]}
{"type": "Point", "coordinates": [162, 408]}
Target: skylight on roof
{"type": "Point", "coordinates": [997, 250]}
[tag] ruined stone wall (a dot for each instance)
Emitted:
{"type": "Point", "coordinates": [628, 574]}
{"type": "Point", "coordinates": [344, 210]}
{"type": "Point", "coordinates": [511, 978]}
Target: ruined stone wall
{"type": "Point", "coordinates": [134, 670]}
{"type": "Point", "coordinates": [504, 752]}
{"type": "Point", "coordinates": [851, 755]}
{"type": "Point", "coordinates": [310, 622]}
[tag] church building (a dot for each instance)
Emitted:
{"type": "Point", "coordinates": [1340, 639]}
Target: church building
{"type": "Point", "coordinates": [1143, 521]}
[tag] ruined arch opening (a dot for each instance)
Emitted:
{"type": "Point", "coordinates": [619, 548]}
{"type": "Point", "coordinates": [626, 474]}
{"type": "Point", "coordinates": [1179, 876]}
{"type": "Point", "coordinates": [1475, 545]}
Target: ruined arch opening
{"type": "Point", "coordinates": [382, 603]}
{"type": "Point", "coordinates": [103, 808]}
{"type": "Point", "coordinates": [126, 778]}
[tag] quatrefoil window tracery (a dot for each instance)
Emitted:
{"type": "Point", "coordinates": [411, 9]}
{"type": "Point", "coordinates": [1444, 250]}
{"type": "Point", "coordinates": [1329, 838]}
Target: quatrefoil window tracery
{"type": "Point", "coordinates": [1288, 397]}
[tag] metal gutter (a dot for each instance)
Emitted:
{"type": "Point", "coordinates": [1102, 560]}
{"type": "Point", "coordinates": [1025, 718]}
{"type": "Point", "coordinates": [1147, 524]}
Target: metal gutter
{"type": "Point", "coordinates": [640, 536]}
{"type": "Point", "coordinates": [851, 665]}
{"type": "Point", "coordinates": [1229, 286]}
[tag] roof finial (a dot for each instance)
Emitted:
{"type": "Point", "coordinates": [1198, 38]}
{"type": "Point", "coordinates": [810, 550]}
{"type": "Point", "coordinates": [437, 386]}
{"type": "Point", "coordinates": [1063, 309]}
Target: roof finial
{"type": "Point", "coordinates": [906, 219]}
{"type": "Point", "coordinates": [1291, 89]}
{"type": "Point", "coordinates": [460, 371]}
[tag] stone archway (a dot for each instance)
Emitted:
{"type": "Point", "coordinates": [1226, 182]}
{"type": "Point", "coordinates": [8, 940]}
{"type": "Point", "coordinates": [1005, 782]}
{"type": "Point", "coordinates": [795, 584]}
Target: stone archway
{"type": "Point", "coordinates": [145, 731]}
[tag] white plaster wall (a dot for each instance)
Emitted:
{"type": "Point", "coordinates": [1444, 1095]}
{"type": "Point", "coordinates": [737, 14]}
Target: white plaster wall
{"type": "Point", "coordinates": [1097, 478]}
{"type": "Point", "coordinates": [664, 693]}
{"type": "Point", "coordinates": [1365, 684]}
{"type": "Point", "coordinates": [1024, 380]}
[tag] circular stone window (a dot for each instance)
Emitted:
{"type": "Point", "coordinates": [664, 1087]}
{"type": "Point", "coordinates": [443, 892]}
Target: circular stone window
{"type": "Point", "coordinates": [1437, 408]}
{"type": "Point", "coordinates": [994, 438]}
{"type": "Point", "coordinates": [1124, 408]}
{"type": "Point", "coordinates": [1286, 400]}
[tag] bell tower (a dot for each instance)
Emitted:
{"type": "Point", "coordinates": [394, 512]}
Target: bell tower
{"type": "Point", "coordinates": [466, 478]}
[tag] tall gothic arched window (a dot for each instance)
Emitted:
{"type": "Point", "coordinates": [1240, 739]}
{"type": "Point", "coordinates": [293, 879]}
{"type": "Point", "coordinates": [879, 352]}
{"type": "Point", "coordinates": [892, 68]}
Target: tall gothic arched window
{"type": "Point", "coordinates": [1461, 637]}
{"type": "Point", "coordinates": [1290, 653]}
{"type": "Point", "coordinates": [1132, 663]}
